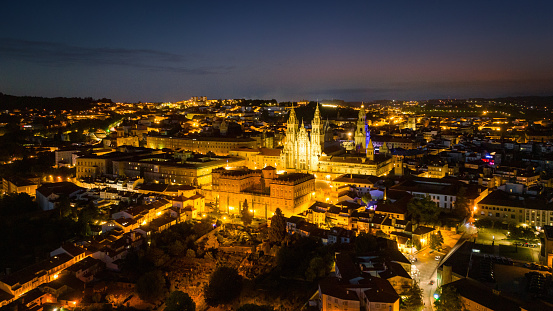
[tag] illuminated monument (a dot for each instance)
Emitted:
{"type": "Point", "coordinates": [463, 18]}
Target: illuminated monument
{"type": "Point", "coordinates": [303, 152]}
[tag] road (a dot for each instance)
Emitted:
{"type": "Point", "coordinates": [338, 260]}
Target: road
{"type": "Point", "coordinates": [426, 267]}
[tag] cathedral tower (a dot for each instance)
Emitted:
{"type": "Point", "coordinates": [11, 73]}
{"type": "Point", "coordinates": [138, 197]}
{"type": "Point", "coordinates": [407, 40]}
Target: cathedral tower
{"type": "Point", "coordinates": [370, 150]}
{"type": "Point", "coordinates": [303, 146]}
{"type": "Point", "coordinates": [289, 151]}
{"type": "Point", "coordinates": [317, 139]}
{"type": "Point", "coordinates": [361, 130]}
{"type": "Point", "coordinates": [383, 149]}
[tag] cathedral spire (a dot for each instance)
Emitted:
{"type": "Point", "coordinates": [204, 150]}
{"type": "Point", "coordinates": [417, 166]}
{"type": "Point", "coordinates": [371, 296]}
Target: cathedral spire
{"type": "Point", "coordinates": [317, 112]}
{"type": "Point", "coordinates": [383, 149]}
{"type": "Point", "coordinates": [292, 116]}
{"type": "Point", "coordinates": [370, 150]}
{"type": "Point", "coordinates": [361, 130]}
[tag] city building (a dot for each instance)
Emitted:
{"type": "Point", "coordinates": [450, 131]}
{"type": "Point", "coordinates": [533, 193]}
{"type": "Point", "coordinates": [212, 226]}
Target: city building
{"type": "Point", "coordinates": [97, 165]}
{"type": "Point", "coordinates": [189, 169]}
{"type": "Point", "coordinates": [48, 195]}
{"type": "Point", "coordinates": [19, 185]}
{"type": "Point", "coordinates": [352, 289]}
{"type": "Point", "coordinates": [259, 157]}
{"type": "Point", "coordinates": [516, 207]}
{"type": "Point", "coordinates": [217, 145]}
{"type": "Point", "coordinates": [442, 191]}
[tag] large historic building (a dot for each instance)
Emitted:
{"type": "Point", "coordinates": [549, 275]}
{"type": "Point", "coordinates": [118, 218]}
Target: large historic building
{"type": "Point", "coordinates": [301, 150]}
{"type": "Point", "coordinates": [304, 152]}
{"type": "Point", "coordinates": [263, 191]}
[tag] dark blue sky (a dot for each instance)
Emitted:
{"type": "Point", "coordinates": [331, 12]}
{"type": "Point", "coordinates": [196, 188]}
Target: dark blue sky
{"type": "Point", "coordinates": [288, 50]}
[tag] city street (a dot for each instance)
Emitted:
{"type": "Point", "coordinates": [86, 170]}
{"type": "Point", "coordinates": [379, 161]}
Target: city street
{"type": "Point", "coordinates": [426, 266]}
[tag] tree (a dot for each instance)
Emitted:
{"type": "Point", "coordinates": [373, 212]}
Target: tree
{"type": "Point", "coordinates": [277, 231]}
{"type": "Point", "coordinates": [317, 269]}
{"type": "Point", "coordinates": [436, 240]}
{"type": "Point", "coordinates": [179, 301]}
{"type": "Point", "coordinates": [449, 300]}
{"type": "Point", "coordinates": [247, 216]}
{"type": "Point", "coordinates": [423, 210]}
{"type": "Point", "coordinates": [64, 206]}
{"type": "Point", "coordinates": [461, 205]}
{"type": "Point", "coordinates": [151, 286]}
{"type": "Point", "coordinates": [225, 285]}
{"type": "Point", "coordinates": [254, 307]}
{"type": "Point", "coordinates": [156, 256]}
{"type": "Point", "coordinates": [366, 198]}
{"type": "Point", "coordinates": [176, 249]}
{"type": "Point", "coordinates": [484, 223]}
{"type": "Point", "coordinates": [413, 300]}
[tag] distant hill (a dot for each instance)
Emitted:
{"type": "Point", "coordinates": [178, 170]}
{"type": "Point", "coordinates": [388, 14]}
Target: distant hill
{"type": "Point", "coordinates": [524, 100]}
{"type": "Point", "coordinates": [57, 103]}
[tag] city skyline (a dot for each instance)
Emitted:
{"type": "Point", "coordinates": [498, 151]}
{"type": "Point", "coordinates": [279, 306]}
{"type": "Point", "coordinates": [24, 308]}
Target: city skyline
{"type": "Point", "coordinates": [355, 52]}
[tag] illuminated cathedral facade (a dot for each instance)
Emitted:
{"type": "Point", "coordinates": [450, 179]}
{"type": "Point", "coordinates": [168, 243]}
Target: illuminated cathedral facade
{"type": "Point", "coordinates": [302, 150]}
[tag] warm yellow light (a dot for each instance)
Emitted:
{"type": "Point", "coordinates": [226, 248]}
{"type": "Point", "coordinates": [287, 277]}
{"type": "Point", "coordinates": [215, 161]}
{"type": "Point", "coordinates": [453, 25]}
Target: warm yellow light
{"type": "Point", "coordinates": [56, 276]}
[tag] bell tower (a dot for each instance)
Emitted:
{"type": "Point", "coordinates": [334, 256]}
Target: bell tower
{"type": "Point", "coordinates": [361, 129]}
{"type": "Point", "coordinates": [370, 150]}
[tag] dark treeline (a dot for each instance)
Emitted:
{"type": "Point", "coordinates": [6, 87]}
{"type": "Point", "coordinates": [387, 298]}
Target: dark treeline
{"type": "Point", "coordinates": [56, 103]}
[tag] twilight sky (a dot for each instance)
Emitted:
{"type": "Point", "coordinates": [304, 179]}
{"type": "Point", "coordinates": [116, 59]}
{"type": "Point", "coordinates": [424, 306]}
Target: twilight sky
{"type": "Point", "coordinates": [287, 50]}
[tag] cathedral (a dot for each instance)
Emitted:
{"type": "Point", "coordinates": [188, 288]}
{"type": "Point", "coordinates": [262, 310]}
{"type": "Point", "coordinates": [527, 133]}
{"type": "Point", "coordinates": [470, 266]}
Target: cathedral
{"type": "Point", "coordinates": [303, 151]}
